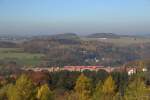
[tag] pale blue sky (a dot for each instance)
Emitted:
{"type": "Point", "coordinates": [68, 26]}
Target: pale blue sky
{"type": "Point", "coordinates": [78, 16]}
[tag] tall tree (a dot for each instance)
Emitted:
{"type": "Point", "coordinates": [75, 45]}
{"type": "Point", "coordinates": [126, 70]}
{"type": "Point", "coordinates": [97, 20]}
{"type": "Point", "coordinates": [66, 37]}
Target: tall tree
{"type": "Point", "coordinates": [108, 88]}
{"type": "Point", "coordinates": [44, 93]}
{"type": "Point", "coordinates": [98, 91]}
{"type": "Point", "coordinates": [22, 90]}
{"type": "Point", "coordinates": [4, 91]}
{"type": "Point", "coordinates": [137, 90]}
{"type": "Point", "coordinates": [105, 91]}
{"type": "Point", "coordinates": [121, 81]}
{"type": "Point", "coordinates": [83, 88]}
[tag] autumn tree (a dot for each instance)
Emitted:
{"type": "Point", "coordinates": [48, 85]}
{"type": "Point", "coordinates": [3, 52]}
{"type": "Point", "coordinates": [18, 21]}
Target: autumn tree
{"type": "Point", "coordinates": [12, 93]}
{"type": "Point", "coordinates": [44, 93]}
{"type": "Point", "coordinates": [98, 91]}
{"type": "Point", "coordinates": [105, 91]}
{"type": "Point", "coordinates": [71, 95]}
{"type": "Point", "coordinates": [22, 90]}
{"type": "Point", "coordinates": [137, 90]}
{"type": "Point", "coordinates": [83, 88]}
{"type": "Point", "coordinates": [3, 91]}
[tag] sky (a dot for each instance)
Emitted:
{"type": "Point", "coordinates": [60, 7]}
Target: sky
{"type": "Point", "coordinates": [74, 16]}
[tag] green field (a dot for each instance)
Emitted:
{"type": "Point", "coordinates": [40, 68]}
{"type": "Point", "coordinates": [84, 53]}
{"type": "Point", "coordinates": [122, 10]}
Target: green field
{"type": "Point", "coordinates": [18, 55]}
{"type": "Point", "coordinates": [123, 41]}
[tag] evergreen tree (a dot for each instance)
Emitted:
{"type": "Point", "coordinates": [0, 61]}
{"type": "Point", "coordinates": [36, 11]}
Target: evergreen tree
{"type": "Point", "coordinates": [44, 93]}
{"type": "Point", "coordinates": [83, 88]}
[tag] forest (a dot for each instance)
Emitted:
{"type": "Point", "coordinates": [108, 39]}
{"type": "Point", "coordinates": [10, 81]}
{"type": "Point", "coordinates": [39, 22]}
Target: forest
{"type": "Point", "coordinates": [76, 86]}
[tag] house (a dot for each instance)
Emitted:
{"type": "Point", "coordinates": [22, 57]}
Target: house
{"type": "Point", "coordinates": [131, 71]}
{"type": "Point", "coordinates": [144, 70]}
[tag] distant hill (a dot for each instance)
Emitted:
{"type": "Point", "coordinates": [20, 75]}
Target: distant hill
{"type": "Point", "coordinates": [103, 35]}
{"type": "Point", "coordinates": [66, 36]}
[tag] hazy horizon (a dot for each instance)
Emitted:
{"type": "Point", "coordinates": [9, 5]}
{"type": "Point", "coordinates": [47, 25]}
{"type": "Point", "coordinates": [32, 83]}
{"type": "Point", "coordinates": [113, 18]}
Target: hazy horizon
{"type": "Point", "coordinates": [74, 16]}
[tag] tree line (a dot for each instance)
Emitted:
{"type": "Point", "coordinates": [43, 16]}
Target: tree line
{"type": "Point", "coordinates": [78, 86]}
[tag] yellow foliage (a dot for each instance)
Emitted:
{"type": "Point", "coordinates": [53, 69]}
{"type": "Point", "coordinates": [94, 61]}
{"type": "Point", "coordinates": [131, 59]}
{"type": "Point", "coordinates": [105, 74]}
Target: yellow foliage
{"type": "Point", "coordinates": [44, 93]}
{"type": "Point", "coordinates": [109, 86]}
{"type": "Point", "coordinates": [83, 88]}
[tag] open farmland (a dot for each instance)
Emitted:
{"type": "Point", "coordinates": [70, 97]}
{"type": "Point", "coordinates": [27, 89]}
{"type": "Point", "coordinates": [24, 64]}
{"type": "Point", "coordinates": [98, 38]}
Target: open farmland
{"type": "Point", "coordinates": [122, 41]}
{"type": "Point", "coordinates": [18, 55]}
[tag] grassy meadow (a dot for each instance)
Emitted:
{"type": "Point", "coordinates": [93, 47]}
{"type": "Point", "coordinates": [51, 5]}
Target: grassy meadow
{"type": "Point", "coordinates": [18, 55]}
{"type": "Point", "coordinates": [122, 41]}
